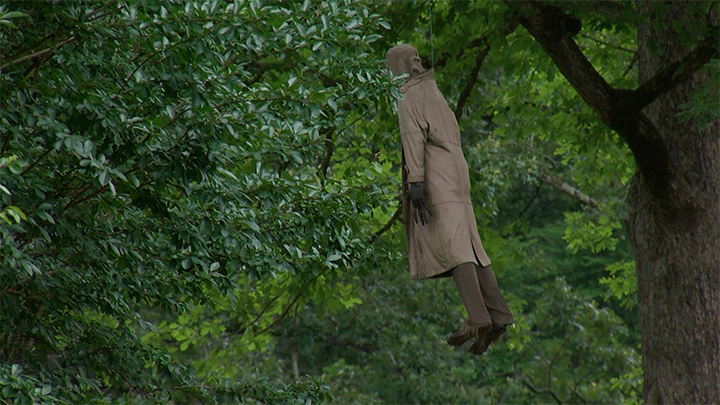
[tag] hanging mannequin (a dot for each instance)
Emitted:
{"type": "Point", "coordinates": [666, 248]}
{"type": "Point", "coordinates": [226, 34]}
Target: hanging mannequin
{"type": "Point", "coordinates": [441, 233]}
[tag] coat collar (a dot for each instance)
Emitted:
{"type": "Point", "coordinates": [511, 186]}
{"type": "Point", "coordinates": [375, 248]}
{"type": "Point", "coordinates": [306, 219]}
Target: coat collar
{"type": "Point", "coordinates": [415, 79]}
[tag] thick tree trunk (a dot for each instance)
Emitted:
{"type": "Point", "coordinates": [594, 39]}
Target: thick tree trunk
{"type": "Point", "coordinates": [677, 251]}
{"type": "Point", "coordinates": [674, 200]}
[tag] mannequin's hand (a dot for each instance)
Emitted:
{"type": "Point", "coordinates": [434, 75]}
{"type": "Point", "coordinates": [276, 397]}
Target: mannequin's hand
{"type": "Point", "coordinates": [416, 195]}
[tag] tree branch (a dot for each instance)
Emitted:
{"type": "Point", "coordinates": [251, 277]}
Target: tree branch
{"type": "Point", "coordinates": [5, 144]}
{"type": "Point", "coordinates": [47, 151]}
{"type": "Point", "coordinates": [295, 365]}
{"type": "Point", "coordinates": [567, 189]}
{"type": "Point", "coordinates": [282, 315]}
{"type": "Point", "coordinates": [671, 76]}
{"type": "Point", "coordinates": [530, 203]}
{"type": "Point", "coordinates": [510, 26]}
{"type": "Point", "coordinates": [471, 82]}
{"type": "Point", "coordinates": [328, 152]}
{"type": "Point", "coordinates": [553, 30]}
{"type": "Point", "coordinates": [549, 28]}
{"type": "Point", "coordinates": [40, 53]}
{"type": "Point", "coordinates": [618, 47]}
{"type": "Point", "coordinates": [388, 225]}
{"type": "Point", "coordinates": [541, 390]}
{"type": "Point", "coordinates": [262, 312]}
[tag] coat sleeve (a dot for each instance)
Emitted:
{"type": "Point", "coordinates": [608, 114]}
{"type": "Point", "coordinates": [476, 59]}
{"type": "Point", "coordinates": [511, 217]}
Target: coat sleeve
{"type": "Point", "coordinates": [413, 134]}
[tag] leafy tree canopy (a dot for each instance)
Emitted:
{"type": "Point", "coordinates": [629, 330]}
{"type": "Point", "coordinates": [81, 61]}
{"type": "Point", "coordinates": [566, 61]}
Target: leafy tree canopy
{"type": "Point", "coordinates": [199, 201]}
{"type": "Point", "coordinates": [161, 156]}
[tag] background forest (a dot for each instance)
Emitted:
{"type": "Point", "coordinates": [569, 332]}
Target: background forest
{"type": "Point", "coordinates": [199, 203]}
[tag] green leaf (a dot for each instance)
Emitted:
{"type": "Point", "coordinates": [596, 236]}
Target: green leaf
{"type": "Point", "coordinates": [254, 226]}
{"type": "Point", "coordinates": [8, 23]}
{"type": "Point", "coordinates": [13, 14]}
{"type": "Point", "coordinates": [16, 213]}
{"type": "Point", "coordinates": [44, 215]}
{"type": "Point", "coordinates": [103, 178]}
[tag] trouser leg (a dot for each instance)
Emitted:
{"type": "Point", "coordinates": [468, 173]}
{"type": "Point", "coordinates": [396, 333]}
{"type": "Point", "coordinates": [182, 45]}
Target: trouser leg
{"type": "Point", "coordinates": [494, 301]}
{"type": "Point", "coordinates": [468, 286]}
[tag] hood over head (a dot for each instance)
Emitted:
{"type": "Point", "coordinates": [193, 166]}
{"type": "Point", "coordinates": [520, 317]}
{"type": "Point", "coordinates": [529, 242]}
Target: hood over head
{"type": "Point", "coordinates": [403, 58]}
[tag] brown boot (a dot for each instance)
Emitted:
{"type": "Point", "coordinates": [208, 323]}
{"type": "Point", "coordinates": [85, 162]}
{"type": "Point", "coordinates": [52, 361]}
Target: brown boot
{"type": "Point", "coordinates": [467, 332]}
{"type": "Point", "coordinates": [483, 341]}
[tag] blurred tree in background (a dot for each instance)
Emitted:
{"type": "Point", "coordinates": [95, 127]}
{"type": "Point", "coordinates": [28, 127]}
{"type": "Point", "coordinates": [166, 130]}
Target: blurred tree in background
{"type": "Point", "coordinates": [200, 201]}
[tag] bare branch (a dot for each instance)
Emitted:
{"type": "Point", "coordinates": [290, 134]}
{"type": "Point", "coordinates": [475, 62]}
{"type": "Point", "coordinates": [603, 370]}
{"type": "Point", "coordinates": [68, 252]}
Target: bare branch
{"type": "Point", "coordinates": [547, 25]}
{"type": "Point", "coordinates": [388, 225]}
{"type": "Point", "coordinates": [40, 53]}
{"type": "Point", "coordinates": [295, 365]}
{"type": "Point", "coordinates": [671, 76]}
{"type": "Point", "coordinates": [553, 30]}
{"type": "Point", "coordinates": [5, 144]}
{"type": "Point", "coordinates": [633, 61]}
{"type": "Point", "coordinates": [509, 27]}
{"type": "Point", "coordinates": [600, 41]}
{"type": "Point", "coordinates": [328, 151]}
{"type": "Point", "coordinates": [541, 390]}
{"type": "Point", "coordinates": [471, 82]}
{"type": "Point", "coordinates": [47, 151]}
{"type": "Point", "coordinates": [282, 315]}
{"type": "Point", "coordinates": [262, 311]}
{"type": "Point", "coordinates": [567, 189]}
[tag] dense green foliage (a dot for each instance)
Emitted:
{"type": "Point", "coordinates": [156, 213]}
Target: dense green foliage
{"type": "Point", "coordinates": [159, 157]}
{"type": "Point", "coordinates": [195, 198]}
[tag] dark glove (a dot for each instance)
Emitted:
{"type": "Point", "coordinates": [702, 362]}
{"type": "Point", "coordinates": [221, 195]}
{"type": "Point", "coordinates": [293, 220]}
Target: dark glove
{"type": "Point", "coordinates": [416, 195]}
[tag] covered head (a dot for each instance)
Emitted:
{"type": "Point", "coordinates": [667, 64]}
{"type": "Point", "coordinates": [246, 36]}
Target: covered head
{"type": "Point", "coordinates": [403, 58]}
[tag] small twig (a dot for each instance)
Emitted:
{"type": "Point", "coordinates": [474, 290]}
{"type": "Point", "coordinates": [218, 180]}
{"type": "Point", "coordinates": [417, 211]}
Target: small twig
{"type": "Point", "coordinates": [632, 63]}
{"type": "Point", "coordinates": [608, 44]}
{"type": "Point", "coordinates": [77, 195]}
{"type": "Point", "coordinates": [97, 10]}
{"type": "Point", "coordinates": [328, 152]}
{"type": "Point", "coordinates": [28, 49]}
{"type": "Point", "coordinates": [388, 225]}
{"type": "Point", "coordinates": [5, 144]}
{"type": "Point", "coordinates": [35, 162]}
{"type": "Point", "coordinates": [257, 76]}
{"type": "Point", "coordinates": [40, 53]}
{"type": "Point", "coordinates": [580, 397]}
{"type": "Point", "coordinates": [87, 197]}
{"type": "Point", "coordinates": [540, 390]}
{"type": "Point", "coordinates": [552, 363]}
{"type": "Point", "coordinates": [77, 200]}
{"type": "Point", "coordinates": [532, 200]}
{"type": "Point", "coordinates": [471, 82]}
{"type": "Point", "coordinates": [285, 312]}
{"type": "Point", "coordinates": [145, 61]}
{"type": "Point", "coordinates": [262, 312]}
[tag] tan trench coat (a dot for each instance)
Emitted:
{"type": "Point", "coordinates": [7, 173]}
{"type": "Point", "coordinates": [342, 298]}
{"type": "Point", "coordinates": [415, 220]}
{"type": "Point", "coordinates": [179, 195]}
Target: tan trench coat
{"type": "Point", "coordinates": [432, 154]}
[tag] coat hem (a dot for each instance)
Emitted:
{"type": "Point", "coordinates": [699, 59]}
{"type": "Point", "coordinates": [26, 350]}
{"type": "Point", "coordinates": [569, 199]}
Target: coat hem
{"type": "Point", "coordinates": [444, 273]}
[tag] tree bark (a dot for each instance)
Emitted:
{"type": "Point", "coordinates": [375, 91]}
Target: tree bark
{"type": "Point", "coordinates": [678, 254]}
{"type": "Point", "coordinates": [674, 199]}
